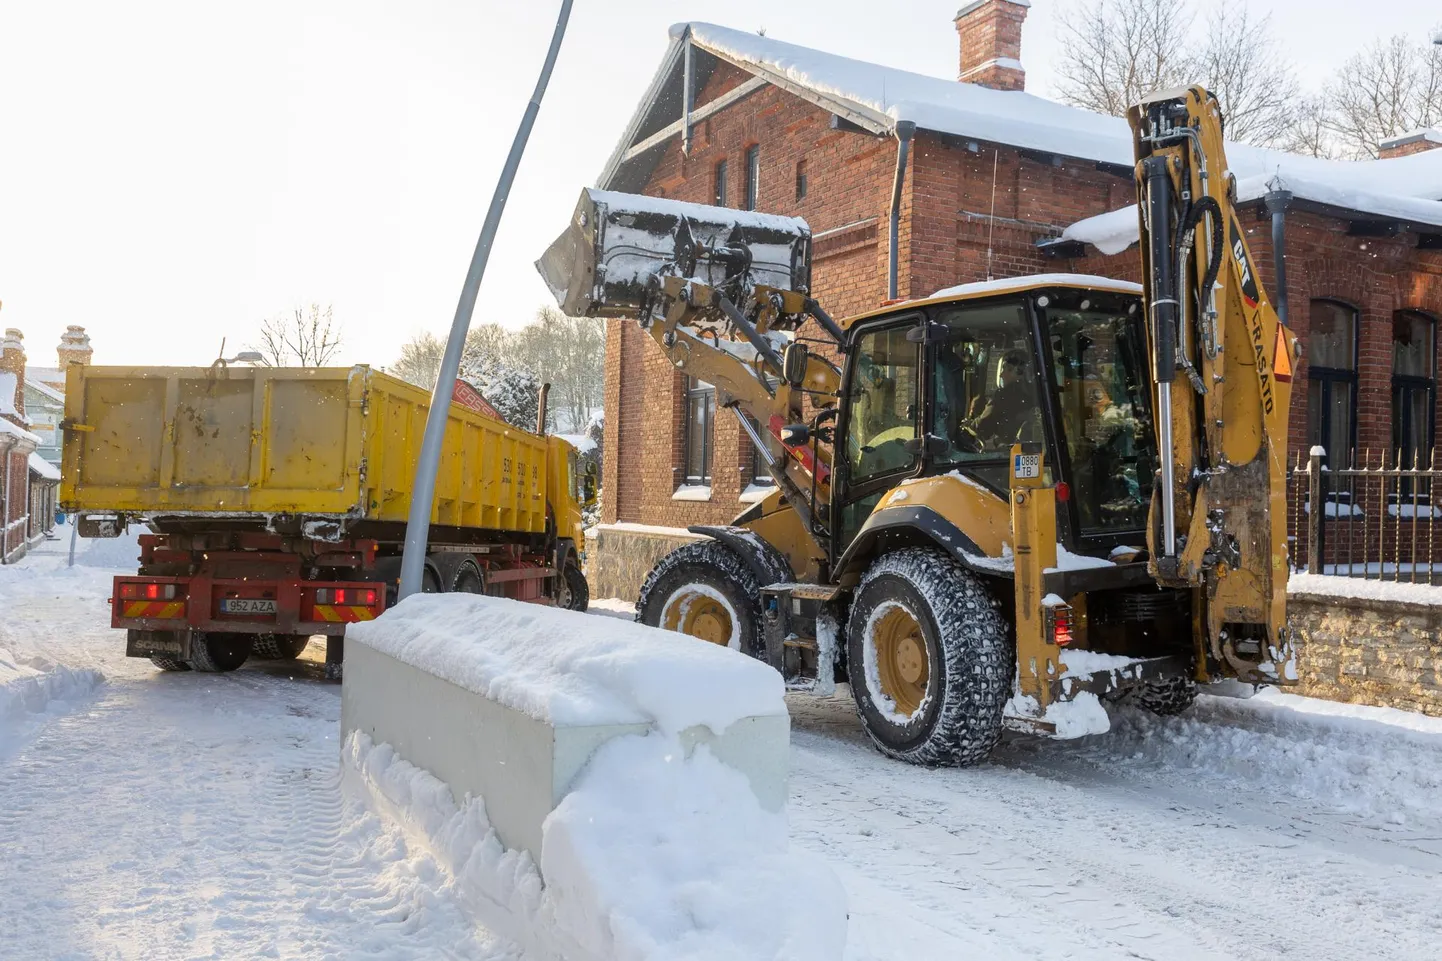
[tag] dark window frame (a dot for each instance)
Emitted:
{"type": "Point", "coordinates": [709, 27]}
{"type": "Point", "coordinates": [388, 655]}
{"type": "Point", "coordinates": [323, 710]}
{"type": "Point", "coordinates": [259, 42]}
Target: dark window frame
{"type": "Point", "coordinates": [1332, 377]}
{"type": "Point", "coordinates": [760, 476]}
{"type": "Point", "coordinates": [718, 191]}
{"type": "Point", "coordinates": [698, 392]}
{"type": "Point", "coordinates": [753, 177]}
{"type": "Point", "coordinates": [1405, 384]}
{"type": "Point", "coordinates": [801, 181]}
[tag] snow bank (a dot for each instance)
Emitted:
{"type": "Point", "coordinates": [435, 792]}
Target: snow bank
{"type": "Point", "coordinates": [27, 690]}
{"type": "Point", "coordinates": [1328, 585]}
{"type": "Point", "coordinates": [652, 856]}
{"type": "Point", "coordinates": [568, 669]}
{"type": "Point", "coordinates": [1376, 762]}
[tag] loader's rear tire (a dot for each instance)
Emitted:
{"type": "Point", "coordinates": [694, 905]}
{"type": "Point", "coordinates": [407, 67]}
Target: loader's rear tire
{"type": "Point", "coordinates": [572, 591]}
{"type": "Point", "coordinates": [169, 664]}
{"type": "Point", "coordinates": [705, 590]}
{"type": "Point", "coordinates": [279, 647]}
{"type": "Point", "coordinates": [218, 653]}
{"type": "Point", "coordinates": [931, 659]}
{"type": "Point", "coordinates": [1167, 697]}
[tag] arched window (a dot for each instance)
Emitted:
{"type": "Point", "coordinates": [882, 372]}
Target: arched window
{"type": "Point", "coordinates": [1414, 386]}
{"type": "Point", "coordinates": [1332, 380]}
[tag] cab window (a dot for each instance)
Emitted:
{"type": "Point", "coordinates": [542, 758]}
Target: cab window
{"type": "Point", "coordinates": [882, 401]}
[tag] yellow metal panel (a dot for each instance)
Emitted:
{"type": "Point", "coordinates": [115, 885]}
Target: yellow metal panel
{"type": "Point", "coordinates": [212, 433]}
{"type": "Point", "coordinates": [325, 441]}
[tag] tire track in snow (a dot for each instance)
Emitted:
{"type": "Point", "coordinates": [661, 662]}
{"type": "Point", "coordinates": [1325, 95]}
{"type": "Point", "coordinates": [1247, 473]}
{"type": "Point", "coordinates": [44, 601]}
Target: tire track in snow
{"type": "Point", "coordinates": [185, 816]}
{"type": "Point", "coordinates": [1083, 867]}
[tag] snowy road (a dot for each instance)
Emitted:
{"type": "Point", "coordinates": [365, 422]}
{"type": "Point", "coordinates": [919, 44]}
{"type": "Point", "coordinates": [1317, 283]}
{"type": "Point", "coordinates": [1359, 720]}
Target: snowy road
{"type": "Point", "coordinates": [178, 816]}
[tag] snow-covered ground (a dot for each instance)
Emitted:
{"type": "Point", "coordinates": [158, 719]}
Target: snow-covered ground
{"type": "Point", "coordinates": [151, 815]}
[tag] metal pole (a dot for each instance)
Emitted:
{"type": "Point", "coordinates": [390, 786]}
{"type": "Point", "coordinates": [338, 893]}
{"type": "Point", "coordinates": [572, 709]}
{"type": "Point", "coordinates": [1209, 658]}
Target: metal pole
{"type": "Point", "coordinates": [1318, 511]}
{"type": "Point", "coordinates": [905, 130]}
{"type": "Point", "coordinates": [423, 491]}
{"type": "Point", "coordinates": [74, 530]}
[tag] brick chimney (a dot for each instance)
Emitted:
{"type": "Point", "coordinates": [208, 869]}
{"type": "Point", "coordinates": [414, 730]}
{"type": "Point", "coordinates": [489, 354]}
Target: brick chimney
{"type": "Point", "coordinates": [12, 361]}
{"type": "Point", "coordinates": [74, 347]}
{"type": "Point", "coordinates": [1418, 141]}
{"type": "Point", "coordinates": [990, 33]}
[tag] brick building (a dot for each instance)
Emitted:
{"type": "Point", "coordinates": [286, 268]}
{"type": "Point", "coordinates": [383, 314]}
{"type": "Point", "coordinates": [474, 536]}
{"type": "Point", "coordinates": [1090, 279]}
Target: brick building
{"type": "Point", "coordinates": [999, 183]}
{"type": "Point", "coordinates": [32, 401]}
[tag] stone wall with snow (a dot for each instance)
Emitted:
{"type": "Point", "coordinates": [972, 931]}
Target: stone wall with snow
{"type": "Point", "coordinates": [1368, 642]}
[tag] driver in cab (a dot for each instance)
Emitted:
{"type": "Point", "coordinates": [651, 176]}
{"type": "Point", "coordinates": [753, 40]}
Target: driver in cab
{"type": "Point", "coordinates": [1007, 407]}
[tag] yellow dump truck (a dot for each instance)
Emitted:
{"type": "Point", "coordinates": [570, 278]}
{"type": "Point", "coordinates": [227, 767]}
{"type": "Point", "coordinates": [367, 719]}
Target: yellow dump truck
{"type": "Point", "coordinates": [278, 499]}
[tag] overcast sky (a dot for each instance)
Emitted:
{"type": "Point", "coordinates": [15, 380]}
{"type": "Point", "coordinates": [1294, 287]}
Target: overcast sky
{"type": "Point", "coordinates": [173, 171]}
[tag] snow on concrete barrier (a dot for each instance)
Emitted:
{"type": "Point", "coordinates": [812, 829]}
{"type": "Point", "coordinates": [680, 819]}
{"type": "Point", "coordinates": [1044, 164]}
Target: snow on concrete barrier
{"type": "Point", "coordinates": [640, 773]}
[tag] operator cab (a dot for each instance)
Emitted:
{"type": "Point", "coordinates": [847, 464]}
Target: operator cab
{"type": "Point", "coordinates": [950, 384]}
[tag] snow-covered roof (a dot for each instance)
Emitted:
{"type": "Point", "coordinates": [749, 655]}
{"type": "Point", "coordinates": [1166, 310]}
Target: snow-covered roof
{"type": "Point", "coordinates": [6, 427]}
{"type": "Point", "coordinates": [1425, 135]}
{"type": "Point", "coordinates": [49, 375]}
{"type": "Point", "coordinates": [42, 467]}
{"type": "Point", "coordinates": [582, 443]}
{"type": "Point", "coordinates": [877, 97]}
{"type": "Point", "coordinates": [1008, 284]}
{"type": "Point", "coordinates": [42, 388]}
{"type": "Point", "coordinates": [7, 395]}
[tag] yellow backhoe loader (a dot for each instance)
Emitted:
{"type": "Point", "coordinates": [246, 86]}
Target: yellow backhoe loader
{"type": "Point", "coordinates": [995, 507]}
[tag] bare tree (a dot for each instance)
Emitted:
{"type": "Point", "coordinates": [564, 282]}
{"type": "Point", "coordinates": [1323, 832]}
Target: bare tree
{"type": "Point", "coordinates": [1392, 87]}
{"type": "Point", "coordinates": [1243, 65]}
{"type": "Point", "coordinates": [486, 347]}
{"type": "Point", "coordinates": [569, 352]}
{"type": "Point", "coordinates": [1311, 134]}
{"type": "Point", "coordinates": [302, 338]}
{"type": "Point", "coordinates": [1114, 52]}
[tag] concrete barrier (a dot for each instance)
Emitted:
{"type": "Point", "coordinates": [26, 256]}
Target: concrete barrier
{"type": "Point", "coordinates": [486, 736]}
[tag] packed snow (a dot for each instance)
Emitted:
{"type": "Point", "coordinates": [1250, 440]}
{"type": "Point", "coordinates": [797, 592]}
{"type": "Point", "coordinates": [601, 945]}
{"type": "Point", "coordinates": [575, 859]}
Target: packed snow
{"type": "Point", "coordinates": [569, 669]}
{"type": "Point", "coordinates": [1332, 585]}
{"type": "Point", "coordinates": [179, 815]}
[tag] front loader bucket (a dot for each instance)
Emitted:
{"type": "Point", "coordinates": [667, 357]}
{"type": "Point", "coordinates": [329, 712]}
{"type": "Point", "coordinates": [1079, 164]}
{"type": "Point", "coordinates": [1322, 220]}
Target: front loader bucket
{"type": "Point", "coordinates": [605, 262]}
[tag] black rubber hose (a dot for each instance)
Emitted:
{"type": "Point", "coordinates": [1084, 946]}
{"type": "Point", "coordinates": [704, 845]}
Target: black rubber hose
{"type": "Point", "coordinates": [1194, 217]}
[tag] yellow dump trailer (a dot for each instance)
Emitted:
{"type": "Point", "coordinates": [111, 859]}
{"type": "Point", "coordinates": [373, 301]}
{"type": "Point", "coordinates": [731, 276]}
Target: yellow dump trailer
{"type": "Point", "coordinates": [278, 498]}
{"type": "Point", "coordinates": [303, 442]}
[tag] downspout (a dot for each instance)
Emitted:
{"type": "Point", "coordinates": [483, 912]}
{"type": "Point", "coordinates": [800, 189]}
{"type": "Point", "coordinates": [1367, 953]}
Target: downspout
{"type": "Point", "coordinates": [905, 130]}
{"type": "Point", "coordinates": [1277, 203]}
{"type": "Point", "coordinates": [5, 503]}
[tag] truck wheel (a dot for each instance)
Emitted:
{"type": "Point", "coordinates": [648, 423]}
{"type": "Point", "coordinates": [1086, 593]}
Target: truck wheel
{"type": "Point", "coordinates": [468, 580]}
{"type": "Point", "coordinates": [703, 589]}
{"type": "Point", "coordinates": [931, 659]}
{"type": "Point", "coordinates": [1166, 697]}
{"type": "Point", "coordinates": [572, 591]}
{"type": "Point", "coordinates": [169, 664]}
{"type": "Point", "coordinates": [219, 652]}
{"type": "Point", "coordinates": [279, 647]}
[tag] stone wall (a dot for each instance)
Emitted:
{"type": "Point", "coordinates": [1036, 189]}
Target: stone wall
{"type": "Point", "coordinates": [619, 556]}
{"type": "Point", "coordinates": [1364, 651]}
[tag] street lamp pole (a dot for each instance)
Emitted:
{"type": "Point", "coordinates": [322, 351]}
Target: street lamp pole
{"type": "Point", "coordinates": [423, 491]}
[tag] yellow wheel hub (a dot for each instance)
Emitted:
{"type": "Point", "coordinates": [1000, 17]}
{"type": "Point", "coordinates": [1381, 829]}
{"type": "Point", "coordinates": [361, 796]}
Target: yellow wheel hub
{"type": "Point", "coordinates": [902, 664]}
{"type": "Point", "coordinates": [699, 615]}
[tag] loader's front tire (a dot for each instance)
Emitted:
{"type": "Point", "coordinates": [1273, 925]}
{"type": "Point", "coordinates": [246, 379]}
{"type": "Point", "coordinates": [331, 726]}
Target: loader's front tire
{"type": "Point", "coordinates": [1167, 697]}
{"type": "Point", "coordinates": [217, 653]}
{"type": "Point", "coordinates": [931, 659]}
{"type": "Point", "coordinates": [705, 590]}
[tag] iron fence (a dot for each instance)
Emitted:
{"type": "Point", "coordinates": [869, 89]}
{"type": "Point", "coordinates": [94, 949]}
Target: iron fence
{"type": "Point", "coordinates": [1376, 518]}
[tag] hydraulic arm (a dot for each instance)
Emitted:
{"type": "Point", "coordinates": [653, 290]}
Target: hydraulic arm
{"type": "Point", "coordinates": [1221, 364]}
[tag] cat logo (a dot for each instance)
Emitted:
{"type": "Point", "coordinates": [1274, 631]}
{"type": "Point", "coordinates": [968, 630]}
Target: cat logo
{"type": "Point", "coordinates": [1244, 264]}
